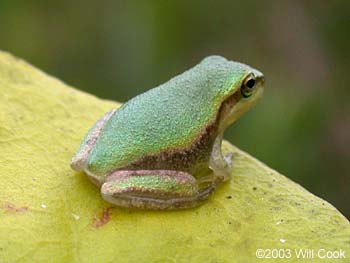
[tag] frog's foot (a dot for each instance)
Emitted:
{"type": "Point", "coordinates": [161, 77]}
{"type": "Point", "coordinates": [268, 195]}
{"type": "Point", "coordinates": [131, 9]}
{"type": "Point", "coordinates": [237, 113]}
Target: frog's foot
{"type": "Point", "coordinates": [155, 189]}
{"type": "Point", "coordinates": [222, 166]}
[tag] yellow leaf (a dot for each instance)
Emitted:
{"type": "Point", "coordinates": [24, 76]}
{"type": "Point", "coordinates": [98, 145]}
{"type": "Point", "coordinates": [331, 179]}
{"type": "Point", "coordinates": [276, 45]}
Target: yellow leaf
{"type": "Point", "coordinates": [49, 213]}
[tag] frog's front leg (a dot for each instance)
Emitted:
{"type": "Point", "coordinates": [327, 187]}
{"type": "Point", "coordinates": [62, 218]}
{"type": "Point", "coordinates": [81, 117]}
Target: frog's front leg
{"type": "Point", "coordinates": [155, 189]}
{"type": "Point", "coordinates": [219, 163]}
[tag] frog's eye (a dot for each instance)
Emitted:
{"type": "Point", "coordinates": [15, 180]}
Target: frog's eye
{"type": "Point", "coordinates": [248, 86]}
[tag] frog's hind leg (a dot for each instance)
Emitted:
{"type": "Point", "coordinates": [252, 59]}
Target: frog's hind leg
{"type": "Point", "coordinates": [155, 189]}
{"type": "Point", "coordinates": [79, 160]}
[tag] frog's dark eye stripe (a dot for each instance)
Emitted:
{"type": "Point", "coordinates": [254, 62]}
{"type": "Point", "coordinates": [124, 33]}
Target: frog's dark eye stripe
{"type": "Point", "coordinates": [248, 86]}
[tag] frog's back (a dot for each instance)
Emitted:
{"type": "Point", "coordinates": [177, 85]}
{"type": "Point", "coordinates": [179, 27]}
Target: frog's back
{"type": "Point", "coordinates": [166, 118]}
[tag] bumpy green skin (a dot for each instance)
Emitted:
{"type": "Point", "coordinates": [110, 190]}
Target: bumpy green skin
{"type": "Point", "coordinates": [166, 118]}
{"type": "Point", "coordinates": [154, 182]}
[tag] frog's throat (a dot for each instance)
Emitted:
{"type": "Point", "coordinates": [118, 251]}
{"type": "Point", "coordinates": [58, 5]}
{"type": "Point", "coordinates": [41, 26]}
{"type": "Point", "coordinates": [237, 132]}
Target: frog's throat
{"type": "Point", "coordinates": [227, 112]}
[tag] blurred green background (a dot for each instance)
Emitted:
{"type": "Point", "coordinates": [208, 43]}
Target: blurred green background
{"type": "Point", "coordinates": [118, 49]}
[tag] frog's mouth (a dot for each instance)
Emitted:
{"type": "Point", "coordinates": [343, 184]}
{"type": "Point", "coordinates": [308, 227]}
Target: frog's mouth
{"type": "Point", "coordinates": [236, 104]}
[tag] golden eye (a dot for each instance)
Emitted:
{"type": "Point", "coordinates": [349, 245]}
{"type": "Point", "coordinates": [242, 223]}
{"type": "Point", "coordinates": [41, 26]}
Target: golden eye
{"type": "Point", "coordinates": [248, 85]}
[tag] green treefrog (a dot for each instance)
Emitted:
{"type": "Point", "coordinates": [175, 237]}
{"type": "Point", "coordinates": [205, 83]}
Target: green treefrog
{"type": "Point", "coordinates": [162, 149]}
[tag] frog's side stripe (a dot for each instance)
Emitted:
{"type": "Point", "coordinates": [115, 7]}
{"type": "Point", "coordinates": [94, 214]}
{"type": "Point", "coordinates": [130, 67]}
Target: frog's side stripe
{"type": "Point", "coordinates": [182, 159]}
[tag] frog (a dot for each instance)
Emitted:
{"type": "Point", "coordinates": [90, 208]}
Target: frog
{"type": "Point", "coordinates": [161, 150]}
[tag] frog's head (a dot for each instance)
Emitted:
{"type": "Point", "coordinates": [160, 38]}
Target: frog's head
{"type": "Point", "coordinates": [239, 90]}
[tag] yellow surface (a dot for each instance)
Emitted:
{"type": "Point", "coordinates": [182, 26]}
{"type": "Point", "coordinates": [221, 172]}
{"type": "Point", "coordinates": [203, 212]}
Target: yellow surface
{"type": "Point", "coordinates": [49, 213]}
